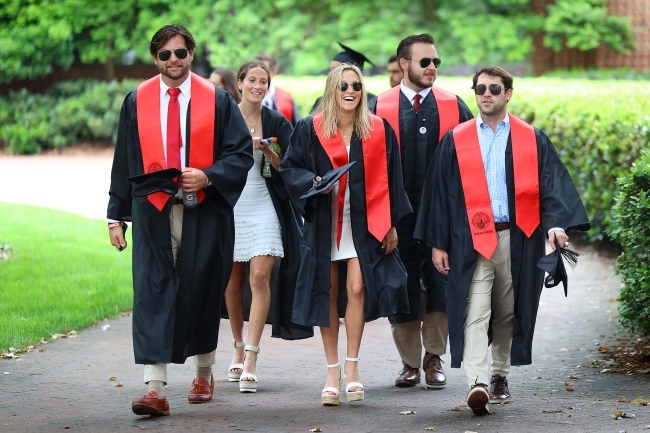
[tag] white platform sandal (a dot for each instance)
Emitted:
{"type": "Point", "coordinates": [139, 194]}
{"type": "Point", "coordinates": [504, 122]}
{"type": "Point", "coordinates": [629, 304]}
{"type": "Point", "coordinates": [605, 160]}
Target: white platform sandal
{"type": "Point", "coordinates": [249, 385]}
{"type": "Point", "coordinates": [233, 374]}
{"type": "Point", "coordinates": [329, 399]}
{"type": "Point", "coordinates": [354, 395]}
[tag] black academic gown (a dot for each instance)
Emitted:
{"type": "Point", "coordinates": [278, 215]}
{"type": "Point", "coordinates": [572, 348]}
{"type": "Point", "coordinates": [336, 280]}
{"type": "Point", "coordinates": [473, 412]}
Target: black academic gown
{"type": "Point", "coordinates": [383, 276]}
{"type": "Point", "coordinates": [285, 271]}
{"type": "Point", "coordinates": [417, 150]}
{"type": "Point", "coordinates": [443, 224]}
{"type": "Point", "coordinates": [174, 309]}
{"type": "Point", "coordinates": [294, 109]}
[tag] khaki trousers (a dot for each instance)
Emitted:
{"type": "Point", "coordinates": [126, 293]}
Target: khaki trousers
{"type": "Point", "coordinates": [490, 294]}
{"type": "Point", "coordinates": [431, 331]}
{"type": "Point", "coordinates": [159, 371]}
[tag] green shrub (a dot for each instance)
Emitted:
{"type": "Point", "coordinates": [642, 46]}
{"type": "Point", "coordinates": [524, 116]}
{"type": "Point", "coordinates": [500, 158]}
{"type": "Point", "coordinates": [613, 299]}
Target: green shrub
{"type": "Point", "coordinates": [631, 229]}
{"type": "Point", "coordinates": [599, 74]}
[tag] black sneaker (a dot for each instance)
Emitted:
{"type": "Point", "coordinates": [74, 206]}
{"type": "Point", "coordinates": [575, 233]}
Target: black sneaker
{"type": "Point", "coordinates": [478, 399]}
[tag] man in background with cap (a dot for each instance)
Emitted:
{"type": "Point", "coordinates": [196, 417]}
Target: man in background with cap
{"type": "Point", "coordinates": [348, 55]}
{"type": "Point", "coordinates": [495, 190]}
{"type": "Point", "coordinates": [182, 256]}
{"type": "Point", "coordinates": [420, 114]}
{"type": "Point", "coordinates": [276, 98]}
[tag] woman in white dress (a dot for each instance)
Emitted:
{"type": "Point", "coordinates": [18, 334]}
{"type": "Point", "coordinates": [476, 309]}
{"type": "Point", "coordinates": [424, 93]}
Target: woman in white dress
{"type": "Point", "coordinates": [350, 228]}
{"type": "Point", "coordinates": [258, 224]}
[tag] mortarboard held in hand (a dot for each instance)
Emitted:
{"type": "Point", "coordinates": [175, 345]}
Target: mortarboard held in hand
{"type": "Point", "coordinates": [328, 180]}
{"type": "Point", "coordinates": [156, 181]}
{"type": "Point", "coordinates": [553, 265]}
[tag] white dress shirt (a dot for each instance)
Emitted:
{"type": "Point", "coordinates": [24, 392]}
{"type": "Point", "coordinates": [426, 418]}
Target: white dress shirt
{"type": "Point", "coordinates": [410, 93]}
{"type": "Point", "coordinates": [184, 101]}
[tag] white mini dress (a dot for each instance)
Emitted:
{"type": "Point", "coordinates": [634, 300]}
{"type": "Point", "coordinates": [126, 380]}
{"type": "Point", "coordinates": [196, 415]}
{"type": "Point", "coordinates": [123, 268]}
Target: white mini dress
{"type": "Point", "coordinates": [346, 249]}
{"type": "Point", "coordinates": [257, 228]}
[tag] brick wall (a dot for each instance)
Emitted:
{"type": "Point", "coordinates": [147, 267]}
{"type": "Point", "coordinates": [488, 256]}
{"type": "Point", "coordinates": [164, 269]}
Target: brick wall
{"type": "Point", "coordinates": [545, 59]}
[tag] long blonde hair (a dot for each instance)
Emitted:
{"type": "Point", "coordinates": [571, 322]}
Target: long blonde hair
{"type": "Point", "coordinates": [330, 108]}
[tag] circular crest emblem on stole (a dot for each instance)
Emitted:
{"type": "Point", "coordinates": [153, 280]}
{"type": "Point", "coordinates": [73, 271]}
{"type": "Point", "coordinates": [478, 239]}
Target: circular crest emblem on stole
{"type": "Point", "coordinates": [154, 166]}
{"type": "Point", "coordinates": [480, 220]}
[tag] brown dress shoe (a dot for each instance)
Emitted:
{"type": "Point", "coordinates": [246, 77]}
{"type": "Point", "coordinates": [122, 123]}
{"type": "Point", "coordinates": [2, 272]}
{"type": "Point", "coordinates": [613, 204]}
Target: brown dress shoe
{"type": "Point", "coordinates": [499, 391]}
{"type": "Point", "coordinates": [478, 399]}
{"type": "Point", "coordinates": [408, 377]}
{"type": "Point", "coordinates": [433, 373]}
{"type": "Point", "coordinates": [150, 404]}
{"type": "Point", "coordinates": [201, 390]}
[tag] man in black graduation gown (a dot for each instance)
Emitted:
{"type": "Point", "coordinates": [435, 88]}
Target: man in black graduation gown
{"type": "Point", "coordinates": [419, 126]}
{"type": "Point", "coordinates": [182, 256]}
{"type": "Point", "coordinates": [487, 236]}
{"type": "Point", "coordinates": [348, 55]}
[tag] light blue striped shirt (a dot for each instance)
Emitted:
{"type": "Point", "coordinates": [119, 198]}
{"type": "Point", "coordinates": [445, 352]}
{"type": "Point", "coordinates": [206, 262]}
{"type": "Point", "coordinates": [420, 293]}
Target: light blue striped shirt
{"type": "Point", "coordinates": [493, 150]}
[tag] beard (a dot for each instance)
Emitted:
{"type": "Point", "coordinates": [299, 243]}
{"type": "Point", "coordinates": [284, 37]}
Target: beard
{"type": "Point", "coordinates": [419, 80]}
{"type": "Point", "coordinates": [174, 75]}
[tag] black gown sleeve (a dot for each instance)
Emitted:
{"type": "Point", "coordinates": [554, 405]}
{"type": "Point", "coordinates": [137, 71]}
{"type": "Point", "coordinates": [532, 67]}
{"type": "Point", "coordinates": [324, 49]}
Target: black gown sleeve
{"type": "Point", "coordinates": [464, 111]}
{"type": "Point", "coordinates": [282, 129]}
{"type": "Point", "coordinates": [560, 203]}
{"type": "Point", "coordinates": [400, 207]}
{"type": "Point", "coordinates": [298, 167]}
{"type": "Point", "coordinates": [119, 202]}
{"type": "Point", "coordinates": [229, 172]}
{"type": "Point", "coordinates": [433, 223]}
{"type": "Point", "coordinates": [372, 105]}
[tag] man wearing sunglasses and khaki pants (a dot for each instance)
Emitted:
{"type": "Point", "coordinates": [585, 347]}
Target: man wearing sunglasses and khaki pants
{"type": "Point", "coordinates": [182, 249]}
{"type": "Point", "coordinates": [420, 114]}
{"type": "Point", "coordinates": [495, 191]}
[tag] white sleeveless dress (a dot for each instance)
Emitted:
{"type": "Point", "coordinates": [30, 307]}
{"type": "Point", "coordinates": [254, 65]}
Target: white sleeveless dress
{"type": "Point", "coordinates": [257, 228]}
{"type": "Point", "coordinates": [346, 249]}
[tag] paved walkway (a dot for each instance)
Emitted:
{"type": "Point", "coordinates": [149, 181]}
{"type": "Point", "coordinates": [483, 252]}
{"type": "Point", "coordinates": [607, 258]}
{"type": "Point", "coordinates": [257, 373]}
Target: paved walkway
{"type": "Point", "coordinates": [67, 385]}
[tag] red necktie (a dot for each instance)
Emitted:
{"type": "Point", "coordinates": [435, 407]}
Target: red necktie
{"type": "Point", "coordinates": [416, 102]}
{"type": "Point", "coordinates": [174, 130]}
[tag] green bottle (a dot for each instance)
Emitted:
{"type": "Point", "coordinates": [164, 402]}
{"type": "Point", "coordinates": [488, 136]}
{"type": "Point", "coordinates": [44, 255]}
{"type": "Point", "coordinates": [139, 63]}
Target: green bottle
{"type": "Point", "coordinates": [273, 145]}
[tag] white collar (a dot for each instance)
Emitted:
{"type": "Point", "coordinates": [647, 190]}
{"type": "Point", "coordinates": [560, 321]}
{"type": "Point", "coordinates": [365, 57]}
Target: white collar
{"type": "Point", "coordinates": [185, 86]}
{"type": "Point", "coordinates": [479, 120]}
{"type": "Point", "coordinates": [410, 93]}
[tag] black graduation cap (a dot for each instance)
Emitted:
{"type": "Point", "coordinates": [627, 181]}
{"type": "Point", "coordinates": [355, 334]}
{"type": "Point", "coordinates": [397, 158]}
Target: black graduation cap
{"type": "Point", "coordinates": [351, 56]}
{"type": "Point", "coordinates": [553, 265]}
{"type": "Point", "coordinates": [156, 181]}
{"type": "Point", "coordinates": [328, 180]}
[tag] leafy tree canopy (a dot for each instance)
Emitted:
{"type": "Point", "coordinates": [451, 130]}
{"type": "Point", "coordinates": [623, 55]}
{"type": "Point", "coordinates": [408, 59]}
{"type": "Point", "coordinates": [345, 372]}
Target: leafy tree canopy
{"type": "Point", "coordinates": [39, 35]}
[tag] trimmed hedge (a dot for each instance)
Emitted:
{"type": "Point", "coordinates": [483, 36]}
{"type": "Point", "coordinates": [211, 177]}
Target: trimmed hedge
{"type": "Point", "coordinates": [632, 230]}
{"type": "Point", "coordinates": [598, 127]}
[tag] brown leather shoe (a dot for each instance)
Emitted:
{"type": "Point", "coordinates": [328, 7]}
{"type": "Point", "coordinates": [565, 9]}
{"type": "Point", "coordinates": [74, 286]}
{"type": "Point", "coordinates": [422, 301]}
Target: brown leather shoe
{"type": "Point", "coordinates": [499, 391]}
{"type": "Point", "coordinates": [150, 404]}
{"type": "Point", "coordinates": [478, 399]}
{"type": "Point", "coordinates": [433, 373]}
{"type": "Point", "coordinates": [201, 390]}
{"type": "Point", "coordinates": [408, 377]}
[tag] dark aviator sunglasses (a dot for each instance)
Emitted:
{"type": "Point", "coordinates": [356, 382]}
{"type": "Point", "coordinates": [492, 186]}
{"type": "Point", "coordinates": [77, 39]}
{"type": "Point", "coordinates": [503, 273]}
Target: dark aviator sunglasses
{"type": "Point", "coordinates": [480, 89]}
{"type": "Point", "coordinates": [356, 86]}
{"type": "Point", "coordinates": [165, 55]}
{"type": "Point", "coordinates": [427, 61]}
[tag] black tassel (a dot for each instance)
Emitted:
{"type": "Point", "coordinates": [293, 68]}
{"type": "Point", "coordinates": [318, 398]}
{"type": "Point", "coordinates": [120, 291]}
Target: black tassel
{"type": "Point", "coordinates": [570, 256]}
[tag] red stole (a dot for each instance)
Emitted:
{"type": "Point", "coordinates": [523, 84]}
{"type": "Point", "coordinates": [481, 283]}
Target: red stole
{"type": "Point", "coordinates": [203, 112]}
{"type": "Point", "coordinates": [375, 163]}
{"type": "Point", "coordinates": [285, 104]}
{"type": "Point", "coordinates": [448, 112]}
{"type": "Point", "coordinates": [475, 189]}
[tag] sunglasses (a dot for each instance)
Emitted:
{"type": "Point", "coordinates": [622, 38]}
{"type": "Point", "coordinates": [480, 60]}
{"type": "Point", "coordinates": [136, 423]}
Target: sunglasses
{"type": "Point", "coordinates": [165, 55]}
{"type": "Point", "coordinates": [427, 61]}
{"type": "Point", "coordinates": [356, 86]}
{"type": "Point", "coordinates": [480, 89]}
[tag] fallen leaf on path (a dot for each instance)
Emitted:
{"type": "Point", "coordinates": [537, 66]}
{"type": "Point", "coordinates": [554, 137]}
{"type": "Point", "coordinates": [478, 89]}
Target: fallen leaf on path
{"type": "Point", "coordinates": [570, 389]}
{"type": "Point", "coordinates": [642, 401]}
{"type": "Point", "coordinates": [573, 376]}
{"type": "Point", "coordinates": [429, 429]}
{"type": "Point", "coordinates": [544, 398]}
{"type": "Point", "coordinates": [19, 360]}
{"type": "Point", "coordinates": [112, 378]}
{"type": "Point", "coordinates": [105, 327]}
{"type": "Point", "coordinates": [455, 409]}
{"type": "Point", "coordinates": [537, 377]}
{"type": "Point", "coordinates": [566, 383]}
{"type": "Point", "coordinates": [624, 400]}
{"type": "Point", "coordinates": [314, 430]}
{"type": "Point", "coordinates": [118, 385]}
{"type": "Point", "coordinates": [42, 350]}
{"type": "Point", "coordinates": [552, 411]}
{"type": "Point", "coordinates": [407, 412]}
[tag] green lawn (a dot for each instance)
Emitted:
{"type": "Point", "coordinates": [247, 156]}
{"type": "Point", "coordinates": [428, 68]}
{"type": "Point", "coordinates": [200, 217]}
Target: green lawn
{"type": "Point", "coordinates": [64, 274]}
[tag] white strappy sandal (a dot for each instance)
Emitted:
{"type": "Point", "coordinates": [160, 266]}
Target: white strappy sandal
{"type": "Point", "coordinates": [233, 374]}
{"type": "Point", "coordinates": [333, 400]}
{"type": "Point", "coordinates": [354, 395]}
{"type": "Point", "coordinates": [249, 385]}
